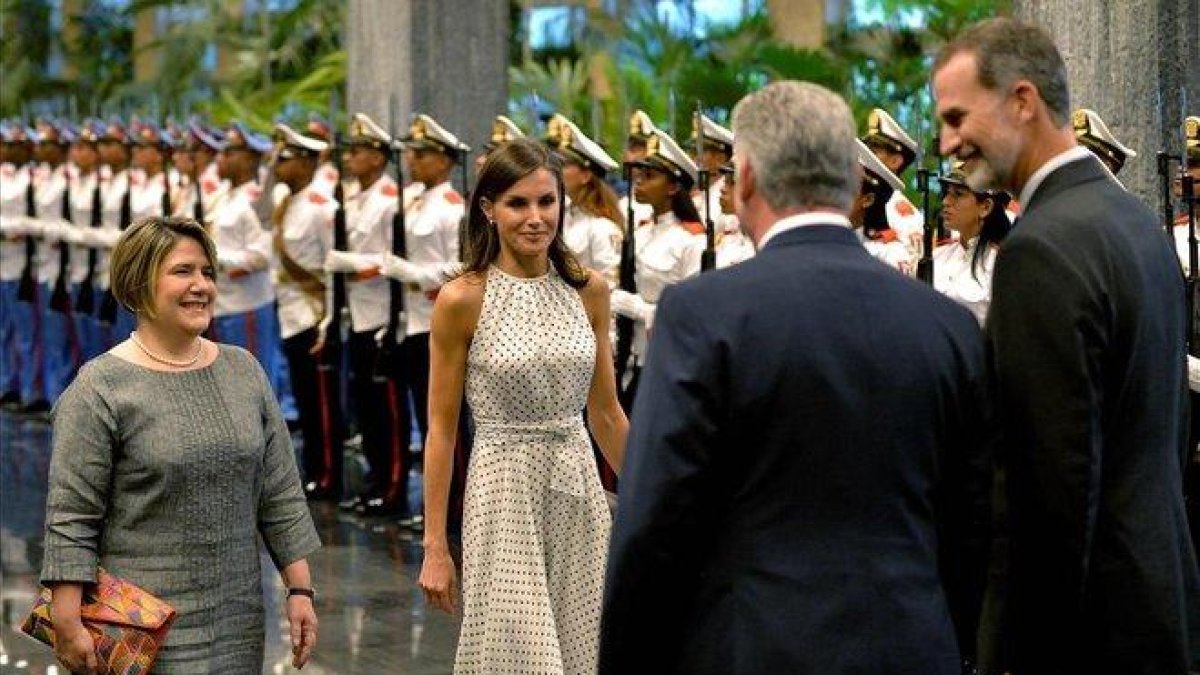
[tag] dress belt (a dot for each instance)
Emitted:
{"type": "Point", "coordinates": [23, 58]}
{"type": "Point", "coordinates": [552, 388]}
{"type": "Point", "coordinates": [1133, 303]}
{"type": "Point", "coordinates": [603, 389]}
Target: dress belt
{"type": "Point", "coordinates": [571, 467]}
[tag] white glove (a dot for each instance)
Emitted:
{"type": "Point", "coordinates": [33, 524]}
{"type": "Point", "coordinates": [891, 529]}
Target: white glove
{"type": "Point", "coordinates": [1193, 366]}
{"type": "Point", "coordinates": [105, 237]}
{"type": "Point", "coordinates": [72, 234]}
{"type": "Point", "coordinates": [398, 268]}
{"type": "Point", "coordinates": [342, 261]}
{"type": "Point", "coordinates": [631, 305]}
{"type": "Point", "coordinates": [230, 261]}
{"type": "Point", "coordinates": [51, 231]}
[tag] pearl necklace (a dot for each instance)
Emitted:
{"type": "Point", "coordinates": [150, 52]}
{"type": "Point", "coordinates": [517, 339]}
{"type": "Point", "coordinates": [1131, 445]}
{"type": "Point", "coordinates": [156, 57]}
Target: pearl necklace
{"type": "Point", "coordinates": [162, 359]}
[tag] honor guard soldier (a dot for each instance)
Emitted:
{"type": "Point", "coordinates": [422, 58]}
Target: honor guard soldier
{"type": "Point", "coordinates": [716, 153]}
{"type": "Point", "coordinates": [868, 214]}
{"type": "Point", "coordinates": [86, 207]}
{"type": "Point", "coordinates": [503, 131]}
{"type": "Point", "coordinates": [327, 176]}
{"type": "Point", "coordinates": [897, 150]}
{"type": "Point", "coordinates": [302, 235]}
{"type": "Point", "coordinates": [61, 352]}
{"type": "Point", "coordinates": [116, 215]}
{"type": "Point", "coordinates": [202, 178]}
{"type": "Point", "coordinates": [593, 223]}
{"type": "Point", "coordinates": [431, 227]}
{"type": "Point", "coordinates": [962, 267]}
{"type": "Point", "coordinates": [150, 186]}
{"type": "Point", "coordinates": [733, 246]}
{"type": "Point", "coordinates": [640, 129]}
{"type": "Point", "coordinates": [1093, 134]}
{"type": "Point", "coordinates": [17, 329]}
{"type": "Point", "coordinates": [668, 245]}
{"type": "Point", "coordinates": [380, 409]}
{"type": "Point", "coordinates": [245, 307]}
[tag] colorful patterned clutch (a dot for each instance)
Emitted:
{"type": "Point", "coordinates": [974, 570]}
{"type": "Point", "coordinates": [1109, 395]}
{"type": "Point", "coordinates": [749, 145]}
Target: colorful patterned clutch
{"type": "Point", "coordinates": [127, 624]}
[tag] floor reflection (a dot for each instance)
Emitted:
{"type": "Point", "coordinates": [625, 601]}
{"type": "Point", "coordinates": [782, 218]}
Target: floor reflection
{"type": "Point", "coordinates": [373, 617]}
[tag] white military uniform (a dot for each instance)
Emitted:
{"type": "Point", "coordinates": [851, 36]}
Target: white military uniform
{"type": "Point", "coordinates": [595, 241]}
{"type": "Point", "coordinates": [1182, 248]}
{"type": "Point", "coordinates": [891, 252]}
{"type": "Point", "coordinates": [369, 232]}
{"type": "Point", "coordinates": [50, 187]}
{"type": "Point", "coordinates": [14, 182]}
{"type": "Point", "coordinates": [83, 188]}
{"type": "Point", "coordinates": [325, 179]}
{"type": "Point", "coordinates": [953, 276]}
{"type": "Point", "coordinates": [307, 232]}
{"type": "Point", "coordinates": [733, 246]}
{"type": "Point", "coordinates": [145, 197]}
{"type": "Point", "coordinates": [211, 187]}
{"type": "Point", "coordinates": [667, 253]}
{"type": "Point", "coordinates": [112, 193]}
{"type": "Point", "coordinates": [431, 224]}
{"type": "Point", "coordinates": [240, 237]}
{"type": "Point", "coordinates": [641, 212]}
{"type": "Point", "coordinates": [907, 221]}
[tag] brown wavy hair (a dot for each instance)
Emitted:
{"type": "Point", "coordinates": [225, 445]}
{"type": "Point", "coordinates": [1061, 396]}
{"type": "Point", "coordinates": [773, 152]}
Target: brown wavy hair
{"type": "Point", "coordinates": [504, 167]}
{"type": "Point", "coordinates": [597, 198]}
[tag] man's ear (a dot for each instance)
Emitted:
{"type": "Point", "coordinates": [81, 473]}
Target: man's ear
{"type": "Point", "coordinates": [1027, 98]}
{"type": "Point", "coordinates": [745, 183]}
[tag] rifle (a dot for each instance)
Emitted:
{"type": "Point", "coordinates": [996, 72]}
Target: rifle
{"type": "Point", "coordinates": [1164, 160]}
{"type": "Point", "coordinates": [627, 281]}
{"type": "Point", "coordinates": [27, 286]}
{"type": "Point", "coordinates": [925, 264]}
{"type": "Point", "coordinates": [108, 306]}
{"type": "Point", "coordinates": [86, 302]}
{"type": "Point", "coordinates": [708, 259]}
{"type": "Point", "coordinates": [396, 329]}
{"type": "Point", "coordinates": [340, 238]}
{"type": "Point", "coordinates": [60, 297]}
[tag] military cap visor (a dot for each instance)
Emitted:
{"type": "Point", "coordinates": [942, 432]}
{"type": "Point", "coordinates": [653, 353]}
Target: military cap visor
{"type": "Point", "coordinates": [657, 163]}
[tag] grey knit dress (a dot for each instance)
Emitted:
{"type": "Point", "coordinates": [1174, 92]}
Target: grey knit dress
{"type": "Point", "coordinates": [168, 479]}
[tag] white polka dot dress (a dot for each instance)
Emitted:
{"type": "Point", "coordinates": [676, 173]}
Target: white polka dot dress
{"type": "Point", "coordinates": [536, 524]}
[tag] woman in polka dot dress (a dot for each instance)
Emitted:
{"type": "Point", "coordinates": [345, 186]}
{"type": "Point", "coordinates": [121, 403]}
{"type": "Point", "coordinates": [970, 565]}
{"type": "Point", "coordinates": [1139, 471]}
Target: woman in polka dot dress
{"type": "Point", "coordinates": [524, 332]}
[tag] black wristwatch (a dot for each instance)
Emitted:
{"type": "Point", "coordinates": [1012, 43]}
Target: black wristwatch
{"type": "Point", "coordinates": [306, 592]}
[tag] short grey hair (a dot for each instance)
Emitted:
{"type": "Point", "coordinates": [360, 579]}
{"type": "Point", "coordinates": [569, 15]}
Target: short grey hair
{"type": "Point", "coordinates": [799, 137]}
{"type": "Point", "coordinates": [1007, 50]}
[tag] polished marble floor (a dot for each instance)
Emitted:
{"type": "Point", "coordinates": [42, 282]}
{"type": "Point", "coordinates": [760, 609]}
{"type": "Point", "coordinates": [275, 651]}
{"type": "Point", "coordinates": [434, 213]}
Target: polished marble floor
{"type": "Point", "coordinates": [373, 618]}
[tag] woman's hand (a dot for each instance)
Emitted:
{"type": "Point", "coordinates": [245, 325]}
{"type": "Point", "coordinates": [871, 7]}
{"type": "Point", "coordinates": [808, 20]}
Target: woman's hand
{"type": "Point", "coordinates": [74, 648]}
{"type": "Point", "coordinates": [303, 620]}
{"type": "Point", "coordinates": [438, 579]}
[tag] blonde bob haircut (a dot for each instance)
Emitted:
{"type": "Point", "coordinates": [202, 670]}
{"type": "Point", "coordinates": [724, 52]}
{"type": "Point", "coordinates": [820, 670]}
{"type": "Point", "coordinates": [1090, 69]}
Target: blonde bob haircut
{"type": "Point", "coordinates": [139, 254]}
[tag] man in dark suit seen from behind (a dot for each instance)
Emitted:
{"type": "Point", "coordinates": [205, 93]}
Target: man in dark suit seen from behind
{"type": "Point", "coordinates": [1086, 336]}
{"type": "Point", "coordinates": [796, 499]}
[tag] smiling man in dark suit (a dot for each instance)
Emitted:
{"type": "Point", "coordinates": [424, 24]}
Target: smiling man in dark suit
{"type": "Point", "coordinates": [1086, 332]}
{"type": "Point", "coordinates": [796, 499]}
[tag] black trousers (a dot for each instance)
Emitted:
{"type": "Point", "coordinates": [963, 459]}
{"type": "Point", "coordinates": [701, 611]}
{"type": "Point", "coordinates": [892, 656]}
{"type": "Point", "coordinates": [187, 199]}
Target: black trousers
{"type": "Point", "coordinates": [411, 374]}
{"type": "Point", "coordinates": [316, 387]}
{"type": "Point", "coordinates": [380, 411]}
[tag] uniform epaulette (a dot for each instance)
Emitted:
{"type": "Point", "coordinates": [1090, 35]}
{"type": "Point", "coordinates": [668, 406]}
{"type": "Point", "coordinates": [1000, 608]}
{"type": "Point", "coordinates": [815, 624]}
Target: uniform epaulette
{"type": "Point", "coordinates": [209, 186]}
{"type": "Point", "coordinates": [943, 242]}
{"type": "Point", "coordinates": [693, 227]}
{"type": "Point", "coordinates": [886, 236]}
{"type": "Point", "coordinates": [389, 190]}
{"type": "Point", "coordinates": [317, 197]}
{"type": "Point", "coordinates": [1181, 219]}
{"type": "Point", "coordinates": [905, 207]}
{"type": "Point", "coordinates": [254, 192]}
{"type": "Point", "coordinates": [453, 197]}
{"type": "Point", "coordinates": [135, 179]}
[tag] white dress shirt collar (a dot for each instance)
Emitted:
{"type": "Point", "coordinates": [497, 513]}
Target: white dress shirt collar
{"type": "Point", "coordinates": [1035, 181]}
{"type": "Point", "coordinates": [802, 220]}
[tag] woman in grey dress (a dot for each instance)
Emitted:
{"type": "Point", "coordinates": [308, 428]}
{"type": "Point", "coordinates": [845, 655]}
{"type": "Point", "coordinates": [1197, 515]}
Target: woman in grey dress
{"type": "Point", "coordinates": [170, 459]}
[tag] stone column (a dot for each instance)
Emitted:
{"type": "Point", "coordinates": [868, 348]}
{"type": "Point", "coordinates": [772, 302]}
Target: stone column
{"type": "Point", "coordinates": [445, 58]}
{"type": "Point", "coordinates": [1129, 61]}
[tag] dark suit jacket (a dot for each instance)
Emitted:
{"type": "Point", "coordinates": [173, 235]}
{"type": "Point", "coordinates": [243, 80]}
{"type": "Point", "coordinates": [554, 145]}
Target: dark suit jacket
{"type": "Point", "coordinates": [804, 488]}
{"type": "Point", "coordinates": [1087, 335]}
